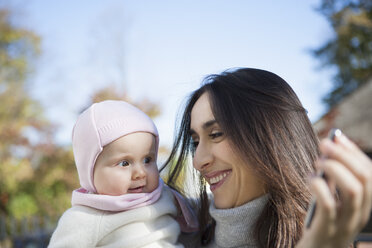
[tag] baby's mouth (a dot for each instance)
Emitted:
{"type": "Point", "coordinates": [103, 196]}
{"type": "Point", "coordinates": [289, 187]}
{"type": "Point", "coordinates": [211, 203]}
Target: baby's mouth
{"type": "Point", "coordinates": [136, 190]}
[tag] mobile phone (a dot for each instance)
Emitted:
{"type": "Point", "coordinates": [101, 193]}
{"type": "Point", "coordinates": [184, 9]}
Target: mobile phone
{"type": "Point", "coordinates": [333, 133]}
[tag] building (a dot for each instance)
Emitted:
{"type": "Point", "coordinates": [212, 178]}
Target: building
{"type": "Point", "coordinates": [353, 115]}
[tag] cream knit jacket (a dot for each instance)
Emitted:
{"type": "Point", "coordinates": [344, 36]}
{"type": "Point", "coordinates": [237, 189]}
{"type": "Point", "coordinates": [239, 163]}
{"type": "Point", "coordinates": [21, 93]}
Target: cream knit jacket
{"type": "Point", "coordinates": [148, 226]}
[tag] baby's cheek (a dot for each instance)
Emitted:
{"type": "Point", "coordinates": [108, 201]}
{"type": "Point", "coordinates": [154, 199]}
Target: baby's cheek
{"type": "Point", "coordinates": [153, 177]}
{"type": "Point", "coordinates": [125, 185]}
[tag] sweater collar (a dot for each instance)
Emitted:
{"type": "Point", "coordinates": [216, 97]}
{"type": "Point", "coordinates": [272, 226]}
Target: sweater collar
{"type": "Point", "coordinates": [235, 226]}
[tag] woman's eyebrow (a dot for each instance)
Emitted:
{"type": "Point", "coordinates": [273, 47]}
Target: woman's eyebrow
{"type": "Point", "coordinates": [209, 123]}
{"type": "Point", "coordinates": [204, 126]}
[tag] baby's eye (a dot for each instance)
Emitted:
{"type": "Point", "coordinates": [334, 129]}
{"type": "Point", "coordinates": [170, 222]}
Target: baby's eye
{"type": "Point", "coordinates": [123, 163]}
{"type": "Point", "coordinates": [147, 160]}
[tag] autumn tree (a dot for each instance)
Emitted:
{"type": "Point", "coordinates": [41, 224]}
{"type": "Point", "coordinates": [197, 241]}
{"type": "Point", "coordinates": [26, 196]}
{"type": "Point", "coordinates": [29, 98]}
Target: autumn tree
{"type": "Point", "coordinates": [349, 51]}
{"type": "Point", "coordinates": [18, 112]}
{"type": "Point", "coordinates": [34, 171]}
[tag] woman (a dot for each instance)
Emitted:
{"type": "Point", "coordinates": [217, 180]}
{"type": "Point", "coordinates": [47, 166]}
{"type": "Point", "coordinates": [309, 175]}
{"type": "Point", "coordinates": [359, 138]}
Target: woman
{"type": "Point", "coordinates": [252, 142]}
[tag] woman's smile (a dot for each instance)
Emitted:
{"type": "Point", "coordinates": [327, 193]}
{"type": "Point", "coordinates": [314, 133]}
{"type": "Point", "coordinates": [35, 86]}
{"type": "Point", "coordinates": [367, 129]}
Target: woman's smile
{"type": "Point", "coordinates": [216, 179]}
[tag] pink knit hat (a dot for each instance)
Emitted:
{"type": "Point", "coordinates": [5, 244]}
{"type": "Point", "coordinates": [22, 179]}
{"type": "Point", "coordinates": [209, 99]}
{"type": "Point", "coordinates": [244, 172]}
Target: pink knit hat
{"type": "Point", "coordinates": [101, 124]}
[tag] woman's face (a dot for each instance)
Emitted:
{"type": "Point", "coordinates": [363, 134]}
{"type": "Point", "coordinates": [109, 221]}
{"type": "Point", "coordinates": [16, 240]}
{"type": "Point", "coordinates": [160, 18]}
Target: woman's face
{"type": "Point", "coordinates": [232, 180]}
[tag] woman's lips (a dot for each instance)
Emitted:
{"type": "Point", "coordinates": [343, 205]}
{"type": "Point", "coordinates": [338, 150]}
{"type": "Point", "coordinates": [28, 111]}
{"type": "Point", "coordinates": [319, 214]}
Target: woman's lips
{"type": "Point", "coordinates": [136, 190]}
{"type": "Point", "coordinates": [216, 179]}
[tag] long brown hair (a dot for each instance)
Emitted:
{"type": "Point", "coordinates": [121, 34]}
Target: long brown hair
{"type": "Point", "coordinates": [267, 125]}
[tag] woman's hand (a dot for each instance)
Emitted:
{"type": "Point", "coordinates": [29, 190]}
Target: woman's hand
{"type": "Point", "coordinates": [337, 222]}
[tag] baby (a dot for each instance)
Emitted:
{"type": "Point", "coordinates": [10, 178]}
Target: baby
{"type": "Point", "coordinates": [122, 201]}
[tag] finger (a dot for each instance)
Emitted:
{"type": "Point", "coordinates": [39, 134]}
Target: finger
{"type": "Point", "coordinates": [358, 155]}
{"type": "Point", "coordinates": [347, 143]}
{"type": "Point", "coordinates": [325, 213]}
{"type": "Point", "coordinates": [351, 191]}
{"type": "Point", "coordinates": [366, 208]}
{"type": "Point", "coordinates": [354, 162]}
{"type": "Point", "coordinates": [365, 176]}
{"type": "Point", "coordinates": [367, 202]}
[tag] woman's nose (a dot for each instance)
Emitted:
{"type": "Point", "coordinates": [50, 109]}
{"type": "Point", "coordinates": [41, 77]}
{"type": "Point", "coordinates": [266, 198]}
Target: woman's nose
{"type": "Point", "coordinates": [202, 157]}
{"type": "Point", "coordinates": [139, 172]}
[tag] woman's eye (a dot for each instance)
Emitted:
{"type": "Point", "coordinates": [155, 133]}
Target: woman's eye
{"type": "Point", "coordinates": [194, 144]}
{"type": "Point", "coordinates": [215, 135]}
{"type": "Point", "coordinates": [147, 160]}
{"type": "Point", "coordinates": [123, 163]}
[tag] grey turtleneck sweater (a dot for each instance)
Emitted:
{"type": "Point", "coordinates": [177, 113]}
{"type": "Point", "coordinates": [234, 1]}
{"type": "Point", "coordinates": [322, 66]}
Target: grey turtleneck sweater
{"type": "Point", "coordinates": [235, 226]}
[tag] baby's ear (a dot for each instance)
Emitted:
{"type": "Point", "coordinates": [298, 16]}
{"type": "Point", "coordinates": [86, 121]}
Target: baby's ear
{"type": "Point", "coordinates": [186, 217]}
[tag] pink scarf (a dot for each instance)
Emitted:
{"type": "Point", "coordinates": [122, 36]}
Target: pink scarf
{"type": "Point", "coordinates": [115, 203]}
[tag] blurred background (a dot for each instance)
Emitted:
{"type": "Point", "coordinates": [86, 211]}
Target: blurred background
{"type": "Point", "coordinates": [58, 57]}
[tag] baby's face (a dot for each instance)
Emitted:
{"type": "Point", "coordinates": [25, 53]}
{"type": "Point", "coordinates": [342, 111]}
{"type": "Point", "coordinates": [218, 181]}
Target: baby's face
{"type": "Point", "coordinates": [127, 165]}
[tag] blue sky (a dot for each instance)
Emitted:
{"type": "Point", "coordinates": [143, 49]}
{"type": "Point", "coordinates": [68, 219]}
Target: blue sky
{"type": "Point", "coordinates": [167, 48]}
